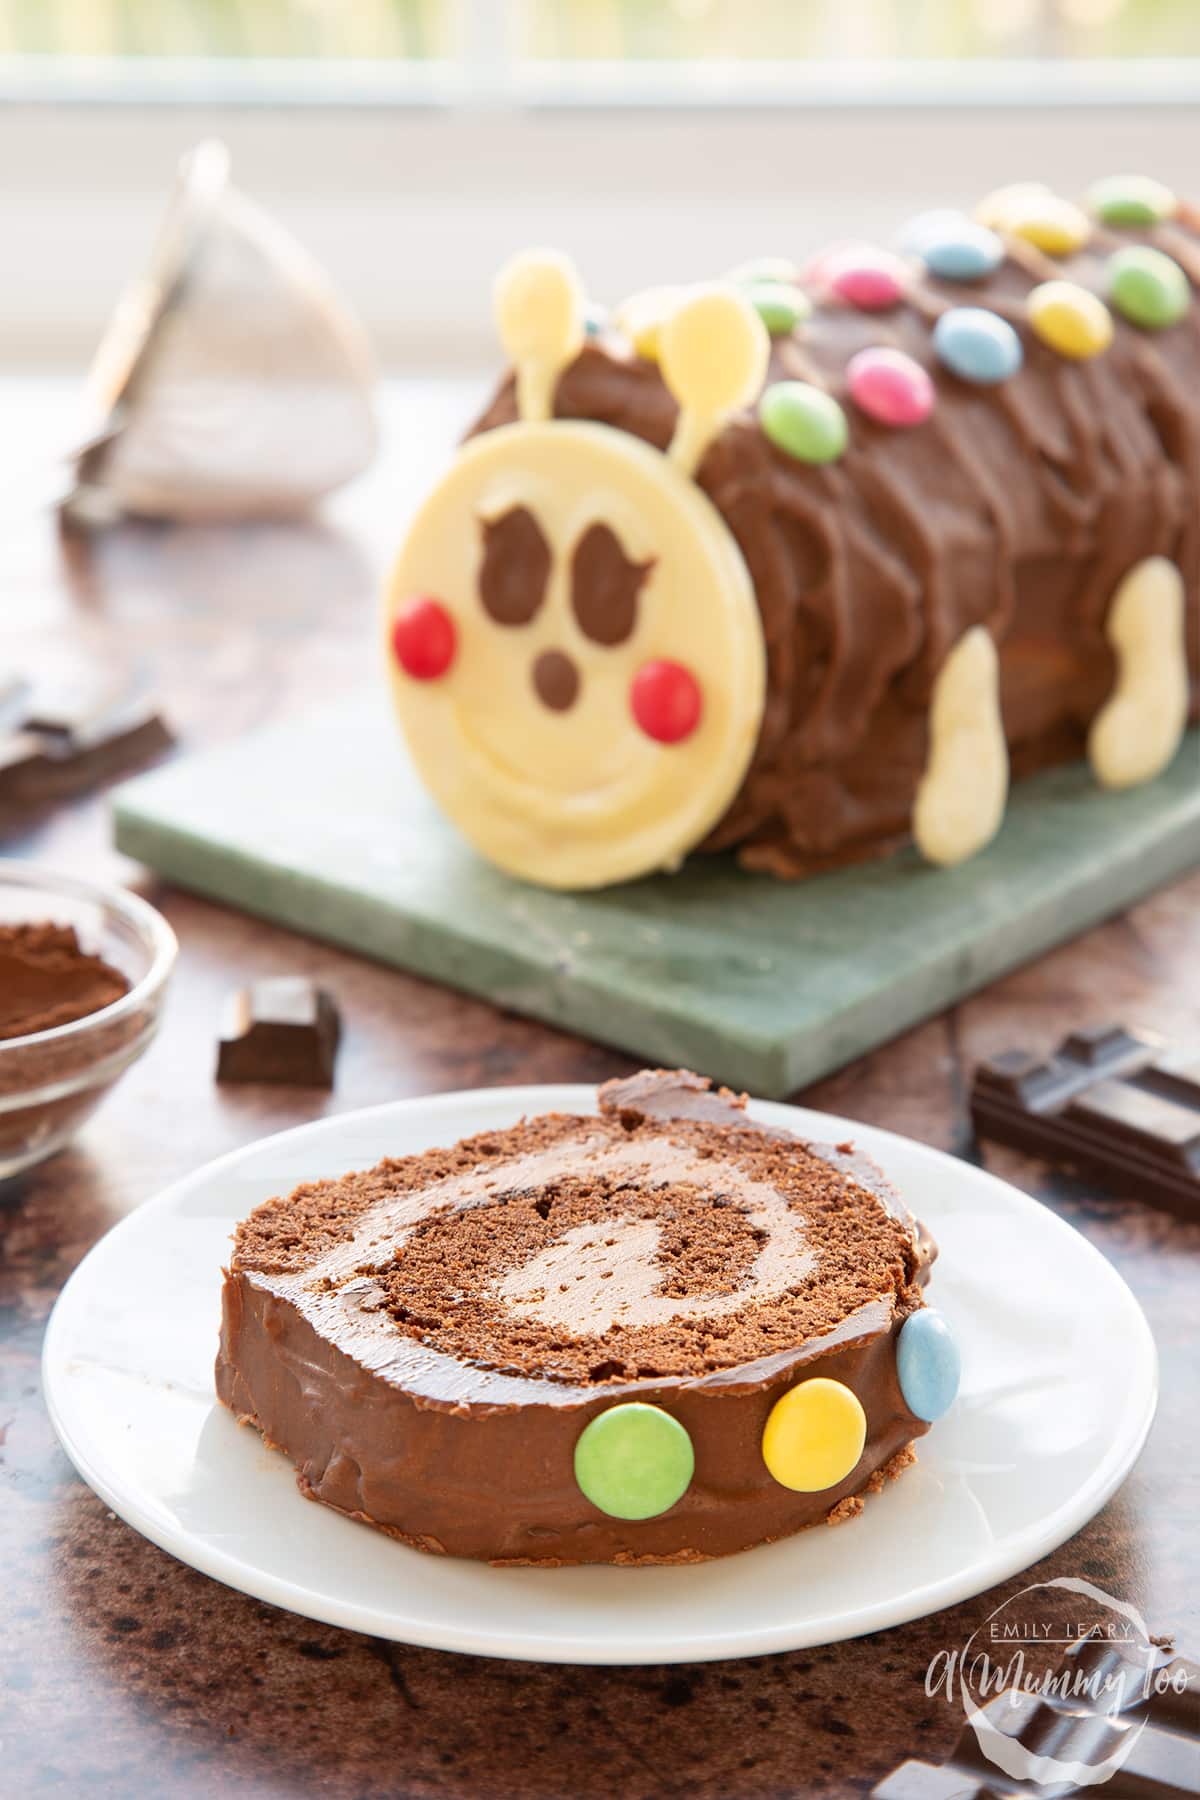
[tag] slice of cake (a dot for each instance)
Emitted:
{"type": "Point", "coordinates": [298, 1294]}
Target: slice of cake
{"type": "Point", "coordinates": [657, 1334]}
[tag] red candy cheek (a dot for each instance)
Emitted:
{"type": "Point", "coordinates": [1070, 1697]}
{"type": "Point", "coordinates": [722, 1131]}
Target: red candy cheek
{"type": "Point", "coordinates": [666, 701]}
{"type": "Point", "coordinates": [424, 639]}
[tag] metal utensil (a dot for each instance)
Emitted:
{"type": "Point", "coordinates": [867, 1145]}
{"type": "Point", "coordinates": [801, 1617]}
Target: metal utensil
{"type": "Point", "coordinates": [232, 381]}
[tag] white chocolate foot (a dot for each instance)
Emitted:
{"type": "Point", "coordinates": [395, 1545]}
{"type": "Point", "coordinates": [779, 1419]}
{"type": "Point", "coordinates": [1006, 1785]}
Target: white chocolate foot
{"type": "Point", "coordinates": [960, 803]}
{"type": "Point", "coordinates": [1137, 730]}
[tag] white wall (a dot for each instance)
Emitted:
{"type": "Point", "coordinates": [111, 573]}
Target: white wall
{"type": "Point", "coordinates": [412, 209]}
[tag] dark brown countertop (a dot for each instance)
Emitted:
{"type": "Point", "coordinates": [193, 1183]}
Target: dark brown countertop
{"type": "Point", "coordinates": [125, 1674]}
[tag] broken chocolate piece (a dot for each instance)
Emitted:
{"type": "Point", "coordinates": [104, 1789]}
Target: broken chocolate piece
{"type": "Point", "coordinates": [20, 752]}
{"type": "Point", "coordinates": [76, 719]}
{"type": "Point", "coordinates": [1108, 1103]}
{"type": "Point", "coordinates": [282, 1030]}
{"type": "Point", "coordinates": [53, 749]}
{"type": "Point", "coordinates": [1147, 1723]}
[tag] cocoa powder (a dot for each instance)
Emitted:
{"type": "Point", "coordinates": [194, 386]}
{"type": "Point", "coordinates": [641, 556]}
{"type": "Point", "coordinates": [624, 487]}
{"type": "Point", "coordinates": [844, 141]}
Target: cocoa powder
{"type": "Point", "coordinates": [47, 980]}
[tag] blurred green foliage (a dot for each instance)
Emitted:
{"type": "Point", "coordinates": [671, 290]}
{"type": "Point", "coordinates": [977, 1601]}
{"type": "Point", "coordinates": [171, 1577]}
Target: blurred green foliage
{"type": "Point", "coordinates": [813, 30]}
{"type": "Point", "coordinates": [609, 30]}
{"type": "Point", "coordinates": [410, 29]}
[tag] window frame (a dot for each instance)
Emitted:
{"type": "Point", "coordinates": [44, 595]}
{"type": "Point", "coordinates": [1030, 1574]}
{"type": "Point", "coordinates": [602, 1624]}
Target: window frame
{"type": "Point", "coordinates": [411, 192]}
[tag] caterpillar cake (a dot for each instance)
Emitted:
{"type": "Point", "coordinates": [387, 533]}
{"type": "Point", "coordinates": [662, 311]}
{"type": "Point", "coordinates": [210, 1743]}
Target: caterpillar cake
{"type": "Point", "coordinates": [660, 1333]}
{"type": "Point", "coordinates": [812, 562]}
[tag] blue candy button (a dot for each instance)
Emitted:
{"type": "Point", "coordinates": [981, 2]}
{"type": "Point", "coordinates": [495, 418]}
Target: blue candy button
{"type": "Point", "coordinates": [927, 227]}
{"type": "Point", "coordinates": [977, 345]}
{"type": "Point", "coordinates": [953, 246]}
{"type": "Point", "coordinates": [927, 1364]}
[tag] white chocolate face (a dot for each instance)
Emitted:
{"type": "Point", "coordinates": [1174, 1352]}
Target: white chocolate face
{"type": "Point", "coordinates": [577, 795]}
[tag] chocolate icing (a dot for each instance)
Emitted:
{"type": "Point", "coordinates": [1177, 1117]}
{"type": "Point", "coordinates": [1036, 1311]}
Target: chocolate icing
{"type": "Point", "coordinates": [1018, 506]}
{"type": "Point", "coordinates": [673, 1094]}
{"type": "Point", "coordinates": [397, 1423]}
{"type": "Point", "coordinates": [515, 567]}
{"type": "Point", "coordinates": [605, 584]}
{"type": "Point", "coordinates": [555, 680]}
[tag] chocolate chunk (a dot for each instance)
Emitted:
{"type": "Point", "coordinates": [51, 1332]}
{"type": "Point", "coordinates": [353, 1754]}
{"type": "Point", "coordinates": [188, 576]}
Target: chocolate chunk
{"type": "Point", "coordinates": [1084, 1723]}
{"type": "Point", "coordinates": [54, 748]}
{"type": "Point", "coordinates": [282, 1030]}
{"type": "Point", "coordinates": [1108, 1103]}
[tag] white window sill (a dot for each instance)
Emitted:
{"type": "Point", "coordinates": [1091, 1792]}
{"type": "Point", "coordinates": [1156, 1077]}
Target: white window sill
{"type": "Point", "coordinates": [411, 206]}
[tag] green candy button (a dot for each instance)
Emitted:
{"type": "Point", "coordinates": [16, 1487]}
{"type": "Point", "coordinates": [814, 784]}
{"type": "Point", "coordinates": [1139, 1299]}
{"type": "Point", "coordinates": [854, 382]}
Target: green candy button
{"type": "Point", "coordinates": [1148, 288]}
{"type": "Point", "coordinates": [634, 1461]}
{"type": "Point", "coordinates": [803, 421]}
{"type": "Point", "coordinates": [779, 305]}
{"type": "Point", "coordinates": [1132, 200]}
{"type": "Point", "coordinates": [764, 268]}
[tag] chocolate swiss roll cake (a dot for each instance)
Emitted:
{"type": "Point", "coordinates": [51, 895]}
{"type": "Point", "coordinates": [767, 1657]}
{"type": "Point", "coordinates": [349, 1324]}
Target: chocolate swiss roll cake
{"type": "Point", "coordinates": [812, 562]}
{"type": "Point", "coordinates": [659, 1333]}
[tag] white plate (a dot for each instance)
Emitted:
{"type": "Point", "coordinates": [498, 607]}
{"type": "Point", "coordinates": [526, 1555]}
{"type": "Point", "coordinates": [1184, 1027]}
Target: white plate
{"type": "Point", "coordinates": [1059, 1388]}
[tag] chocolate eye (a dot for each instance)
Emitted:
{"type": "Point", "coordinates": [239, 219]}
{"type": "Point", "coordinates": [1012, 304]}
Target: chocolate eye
{"type": "Point", "coordinates": [515, 567]}
{"type": "Point", "coordinates": [605, 585]}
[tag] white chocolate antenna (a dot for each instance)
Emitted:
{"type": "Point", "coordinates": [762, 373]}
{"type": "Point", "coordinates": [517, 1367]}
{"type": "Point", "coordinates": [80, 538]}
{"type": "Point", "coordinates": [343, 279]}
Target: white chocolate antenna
{"type": "Point", "coordinates": [713, 355]}
{"type": "Point", "coordinates": [539, 301]}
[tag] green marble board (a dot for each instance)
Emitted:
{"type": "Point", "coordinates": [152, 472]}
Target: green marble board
{"type": "Point", "coordinates": [320, 824]}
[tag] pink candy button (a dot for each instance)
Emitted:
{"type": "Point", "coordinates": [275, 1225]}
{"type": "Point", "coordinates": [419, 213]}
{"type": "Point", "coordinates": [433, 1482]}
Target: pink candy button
{"type": "Point", "coordinates": [890, 387]}
{"type": "Point", "coordinates": [870, 279]}
{"type": "Point", "coordinates": [815, 273]}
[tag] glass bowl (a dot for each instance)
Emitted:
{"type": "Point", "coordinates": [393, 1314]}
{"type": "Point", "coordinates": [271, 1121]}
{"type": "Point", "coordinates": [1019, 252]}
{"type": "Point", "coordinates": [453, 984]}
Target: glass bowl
{"type": "Point", "coordinates": [50, 1081]}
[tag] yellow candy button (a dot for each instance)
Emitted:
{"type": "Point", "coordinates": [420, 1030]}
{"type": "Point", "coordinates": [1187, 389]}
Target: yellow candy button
{"type": "Point", "coordinates": [1056, 226]}
{"type": "Point", "coordinates": [998, 207]}
{"type": "Point", "coordinates": [1042, 218]}
{"type": "Point", "coordinates": [1070, 319]}
{"type": "Point", "coordinates": [643, 316]}
{"type": "Point", "coordinates": [814, 1435]}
